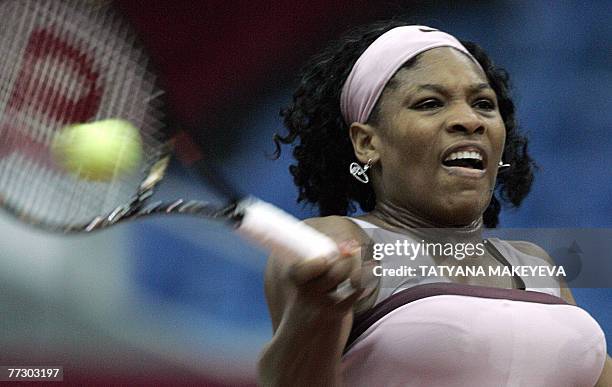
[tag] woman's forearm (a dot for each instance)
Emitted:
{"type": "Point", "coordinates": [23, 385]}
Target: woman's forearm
{"type": "Point", "coordinates": [305, 351]}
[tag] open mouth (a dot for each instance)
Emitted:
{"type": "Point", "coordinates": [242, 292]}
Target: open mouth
{"type": "Point", "coordinates": [469, 159]}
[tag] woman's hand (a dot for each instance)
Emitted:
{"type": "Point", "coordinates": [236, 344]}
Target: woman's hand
{"type": "Point", "coordinates": [311, 324]}
{"type": "Point", "coordinates": [316, 282]}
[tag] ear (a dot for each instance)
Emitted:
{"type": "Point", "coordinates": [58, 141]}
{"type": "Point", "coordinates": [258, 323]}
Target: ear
{"type": "Point", "coordinates": [365, 142]}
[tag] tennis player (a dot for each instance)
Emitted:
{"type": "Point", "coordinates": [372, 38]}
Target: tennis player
{"type": "Point", "coordinates": [416, 127]}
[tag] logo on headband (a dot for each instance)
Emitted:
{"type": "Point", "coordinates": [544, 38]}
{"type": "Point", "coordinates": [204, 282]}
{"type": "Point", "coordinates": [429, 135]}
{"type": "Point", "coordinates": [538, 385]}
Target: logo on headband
{"type": "Point", "coordinates": [428, 30]}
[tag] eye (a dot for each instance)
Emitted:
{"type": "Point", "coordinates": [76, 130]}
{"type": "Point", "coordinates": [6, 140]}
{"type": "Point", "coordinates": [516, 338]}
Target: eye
{"type": "Point", "coordinates": [428, 104]}
{"type": "Point", "coordinates": [484, 104]}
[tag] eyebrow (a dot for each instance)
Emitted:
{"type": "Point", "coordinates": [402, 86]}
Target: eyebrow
{"type": "Point", "coordinates": [442, 90]}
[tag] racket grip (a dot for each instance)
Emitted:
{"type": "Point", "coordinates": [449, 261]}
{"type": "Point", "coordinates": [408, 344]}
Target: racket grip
{"type": "Point", "coordinates": [284, 235]}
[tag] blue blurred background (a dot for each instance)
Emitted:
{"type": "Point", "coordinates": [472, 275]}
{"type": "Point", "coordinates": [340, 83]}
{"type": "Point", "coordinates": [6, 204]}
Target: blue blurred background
{"type": "Point", "coordinates": [186, 296]}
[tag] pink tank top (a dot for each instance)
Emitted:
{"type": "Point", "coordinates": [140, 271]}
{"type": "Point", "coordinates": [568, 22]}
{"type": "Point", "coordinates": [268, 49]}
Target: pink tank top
{"type": "Point", "coordinates": [447, 334]}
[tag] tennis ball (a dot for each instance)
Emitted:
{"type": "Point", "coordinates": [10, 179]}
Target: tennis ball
{"type": "Point", "coordinates": [100, 150]}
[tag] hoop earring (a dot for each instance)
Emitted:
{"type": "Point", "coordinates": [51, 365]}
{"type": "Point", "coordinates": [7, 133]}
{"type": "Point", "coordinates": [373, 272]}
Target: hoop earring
{"type": "Point", "coordinates": [359, 172]}
{"type": "Point", "coordinates": [502, 165]}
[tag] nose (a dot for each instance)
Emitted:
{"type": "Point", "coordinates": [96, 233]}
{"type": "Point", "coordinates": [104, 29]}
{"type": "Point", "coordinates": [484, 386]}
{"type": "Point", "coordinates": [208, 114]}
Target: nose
{"type": "Point", "coordinates": [464, 119]}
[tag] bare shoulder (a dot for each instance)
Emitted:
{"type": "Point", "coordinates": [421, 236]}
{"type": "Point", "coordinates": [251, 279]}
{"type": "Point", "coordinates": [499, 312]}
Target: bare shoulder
{"type": "Point", "coordinates": [338, 228]}
{"type": "Point", "coordinates": [536, 251]}
{"type": "Point", "coordinates": [531, 249]}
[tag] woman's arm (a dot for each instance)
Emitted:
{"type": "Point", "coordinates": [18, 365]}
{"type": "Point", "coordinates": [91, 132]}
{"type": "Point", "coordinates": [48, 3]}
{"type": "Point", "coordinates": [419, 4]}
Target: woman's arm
{"type": "Point", "coordinates": [310, 326]}
{"type": "Point", "coordinates": [305, 353]}
{"type": "Point", "coordinates": [605, 380]}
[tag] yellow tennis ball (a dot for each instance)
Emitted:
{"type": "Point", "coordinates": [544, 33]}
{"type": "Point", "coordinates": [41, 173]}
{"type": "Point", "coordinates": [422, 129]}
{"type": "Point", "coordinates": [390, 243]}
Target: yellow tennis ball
{"type": "Point", "coordinates": [100, 150]}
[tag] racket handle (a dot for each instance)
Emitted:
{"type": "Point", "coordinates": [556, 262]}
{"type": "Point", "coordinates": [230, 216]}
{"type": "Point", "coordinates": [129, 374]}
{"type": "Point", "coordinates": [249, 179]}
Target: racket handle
{"type": "Point", "coordinates": [284, 235]}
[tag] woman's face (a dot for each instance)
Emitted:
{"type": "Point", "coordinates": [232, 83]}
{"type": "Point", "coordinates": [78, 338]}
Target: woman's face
{"type": "Point", "coordinates": [438, 110]}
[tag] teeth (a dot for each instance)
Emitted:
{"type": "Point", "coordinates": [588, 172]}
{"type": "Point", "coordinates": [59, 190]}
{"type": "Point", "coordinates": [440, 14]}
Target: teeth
{"type": "Point", "coordinates": [464, 155]}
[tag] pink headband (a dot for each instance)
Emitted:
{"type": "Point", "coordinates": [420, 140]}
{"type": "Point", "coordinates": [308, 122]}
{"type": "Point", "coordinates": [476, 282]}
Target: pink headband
{"type": "Point", "coordinates": [381, 60]}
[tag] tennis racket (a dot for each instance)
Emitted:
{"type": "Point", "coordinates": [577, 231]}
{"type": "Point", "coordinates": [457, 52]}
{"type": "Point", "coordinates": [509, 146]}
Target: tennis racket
{"type": "Point", "coordinates": [66, 62]}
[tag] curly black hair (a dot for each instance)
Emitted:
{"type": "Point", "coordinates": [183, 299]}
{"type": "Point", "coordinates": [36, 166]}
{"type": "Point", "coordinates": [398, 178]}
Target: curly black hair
{"type": "Point", "coordinates": [323, 149]}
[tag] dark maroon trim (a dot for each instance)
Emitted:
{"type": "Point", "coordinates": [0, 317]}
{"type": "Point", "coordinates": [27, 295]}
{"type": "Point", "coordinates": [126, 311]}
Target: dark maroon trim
{"type": "Point", "coordinates": [368, 318]}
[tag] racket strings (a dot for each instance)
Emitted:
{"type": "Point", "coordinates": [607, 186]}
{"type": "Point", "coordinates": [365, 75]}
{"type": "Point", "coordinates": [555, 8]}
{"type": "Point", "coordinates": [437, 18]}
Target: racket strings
{"type": "Point", "coordinates": [67, 62]}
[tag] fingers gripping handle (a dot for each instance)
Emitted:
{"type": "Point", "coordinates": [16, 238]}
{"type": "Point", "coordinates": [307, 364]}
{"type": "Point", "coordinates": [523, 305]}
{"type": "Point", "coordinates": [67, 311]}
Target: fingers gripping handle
{"type": "Point", "coordinates": [284, 235]}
